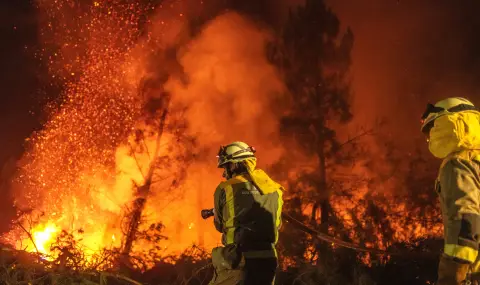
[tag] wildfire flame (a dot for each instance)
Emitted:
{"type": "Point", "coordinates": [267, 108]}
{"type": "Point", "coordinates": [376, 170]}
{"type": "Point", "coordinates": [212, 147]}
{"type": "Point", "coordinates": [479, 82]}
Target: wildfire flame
{"type": "Point", "coordinates": [82, 172]}
{"type": "Point", "coordinates": [87, 162]}
{"type": "Point", "coordinates": [43, 235]}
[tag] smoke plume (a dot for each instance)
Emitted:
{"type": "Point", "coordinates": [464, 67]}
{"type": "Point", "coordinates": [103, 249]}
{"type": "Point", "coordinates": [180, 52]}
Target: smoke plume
{"type": "Point", "coordinates": [81, 172]}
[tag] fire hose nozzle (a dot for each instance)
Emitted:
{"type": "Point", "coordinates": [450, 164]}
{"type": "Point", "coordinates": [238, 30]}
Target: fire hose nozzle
{"type": "Point", "coordinates": [207, 213]}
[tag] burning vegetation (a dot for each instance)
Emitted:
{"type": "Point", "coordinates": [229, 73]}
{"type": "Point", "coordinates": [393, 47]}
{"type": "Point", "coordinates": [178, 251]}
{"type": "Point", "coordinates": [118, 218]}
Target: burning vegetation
{"type": "Point", "coordinates": [116, 178]}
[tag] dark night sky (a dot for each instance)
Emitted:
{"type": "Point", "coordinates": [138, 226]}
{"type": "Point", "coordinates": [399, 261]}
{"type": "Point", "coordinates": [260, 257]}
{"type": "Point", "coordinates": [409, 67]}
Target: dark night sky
{"type": "Point", "coordinates": [19, 89]}
{"type": "Point", "coordinates": [409, 52]}
{"type": "Point", "coordinates": [18, 78]}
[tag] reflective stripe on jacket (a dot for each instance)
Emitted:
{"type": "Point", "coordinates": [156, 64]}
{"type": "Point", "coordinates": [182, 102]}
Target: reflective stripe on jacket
{"type": "Point", "coordinates": [248, 217]}
{"type": "Point", "coordinates": [458, 187]}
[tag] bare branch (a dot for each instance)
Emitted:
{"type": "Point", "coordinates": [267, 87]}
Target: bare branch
{"type": "Point", "coordinates": [195, 274]}
{"type": "Point", "coordinates": [157, 145]}
{"type": "Point", "coordinates": [144, 190]}
{"type": "Point", "coordinates": [357, 137]}
{"type": "Point", "coordinates": [146, 149]}
{"type": "Point", "coordinates": [29, 236]}
{"type": "Point", "coordinates": [137, 163]}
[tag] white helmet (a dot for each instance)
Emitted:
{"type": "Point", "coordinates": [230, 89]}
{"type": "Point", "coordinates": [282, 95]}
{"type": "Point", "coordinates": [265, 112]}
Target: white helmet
{"type": "Point", "coordinates": [445, 107]}
{"type": "Point", "coordinates": [234, 152]}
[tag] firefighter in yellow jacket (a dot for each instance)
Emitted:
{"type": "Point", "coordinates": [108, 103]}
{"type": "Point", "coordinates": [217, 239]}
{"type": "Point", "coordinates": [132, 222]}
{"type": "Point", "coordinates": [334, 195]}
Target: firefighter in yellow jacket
{"type": "Point", "coordinates": [247, 208]}
{"type": "Point", "coordinates": [453, 130]}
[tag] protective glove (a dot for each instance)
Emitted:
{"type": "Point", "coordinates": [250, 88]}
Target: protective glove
{"type": "Point", "coordinates": [451, 271]}
{"type": "Point", "coordinates": [227, 257]}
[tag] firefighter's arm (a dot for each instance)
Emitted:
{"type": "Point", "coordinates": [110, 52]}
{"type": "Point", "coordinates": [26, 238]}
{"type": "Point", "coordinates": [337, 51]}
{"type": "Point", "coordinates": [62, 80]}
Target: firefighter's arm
{"type": "Point", "coordinates": [460, 191]}
{"type": "Point", "coordinates": [280, 207]}
{"type": "Point", "coordinates": [219, 203]}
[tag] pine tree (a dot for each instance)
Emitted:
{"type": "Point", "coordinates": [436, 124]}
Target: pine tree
{"type": "Point", "coordinates": [315, 60]}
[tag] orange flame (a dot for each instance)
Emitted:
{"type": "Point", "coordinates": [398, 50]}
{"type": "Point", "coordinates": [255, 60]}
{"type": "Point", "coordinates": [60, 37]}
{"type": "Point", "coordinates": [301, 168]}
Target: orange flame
{"type": "Point", "coordinates": [43, 236]}
{"type": "Point", "coordinates": [82, 171]}
{"type": "Point", "coordinates": [88, 161]}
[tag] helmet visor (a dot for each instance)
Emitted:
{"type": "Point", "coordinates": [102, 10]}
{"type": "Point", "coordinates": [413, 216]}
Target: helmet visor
{"type": "Point", "coordinates": [221, 156]}
{"type": "Point", "coordinates": [431, 109]}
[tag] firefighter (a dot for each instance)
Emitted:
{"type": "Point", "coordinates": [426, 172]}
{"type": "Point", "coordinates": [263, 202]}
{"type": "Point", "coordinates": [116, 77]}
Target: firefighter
{"type": "Point", "coordinates": [247, 211]}
{"type": "Point", "coordinates": [453, 130]}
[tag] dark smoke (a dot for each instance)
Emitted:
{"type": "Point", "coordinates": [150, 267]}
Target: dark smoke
{"type": "Point", "coordinates": [407, 53]}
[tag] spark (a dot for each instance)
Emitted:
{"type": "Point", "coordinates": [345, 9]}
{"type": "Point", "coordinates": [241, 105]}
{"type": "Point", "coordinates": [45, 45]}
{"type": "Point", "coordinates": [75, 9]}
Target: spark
{"type": "Point", "coordinates": [70, 163]}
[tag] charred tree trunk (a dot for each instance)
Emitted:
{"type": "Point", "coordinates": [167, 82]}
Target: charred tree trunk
{"type": "Point", "coordinates": [142, 193]}
{"type": "Point", "coordinates": [323, 201]}
{"type": "Point", "coordinates": [134, 220]}
{"type": "Point", "coordinates": [324, 251]}
{"type": "Point", "coordinates": [324, 195]}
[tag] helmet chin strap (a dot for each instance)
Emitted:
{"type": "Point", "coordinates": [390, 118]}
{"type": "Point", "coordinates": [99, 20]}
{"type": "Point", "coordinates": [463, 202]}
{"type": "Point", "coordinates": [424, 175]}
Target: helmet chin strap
{"type": "Point", "coordinates": [227, 174]}
{"type": "Point", "coordinates": [231, 170]}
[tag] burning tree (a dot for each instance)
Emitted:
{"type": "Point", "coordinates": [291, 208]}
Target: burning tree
{"type": "Point", "coordinates": [136, 111]}
{"type": "Point", "coordinates": [315, 67]}
{"type": "Point", "coordinates": [147, 149]}
{"type": "Point", "coordinates": [333, 180]}
{"type": "Point", "coordinates": [109, 142]}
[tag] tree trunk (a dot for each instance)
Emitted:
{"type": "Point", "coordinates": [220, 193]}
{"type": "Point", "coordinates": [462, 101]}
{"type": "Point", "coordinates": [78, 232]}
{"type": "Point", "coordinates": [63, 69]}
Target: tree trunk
{"type": "Point", "coordinates": [323, 249]}
{"type": "Point", "coordinates": [323, 191]}
{"type": "Point", "coordinates": [142, 194]}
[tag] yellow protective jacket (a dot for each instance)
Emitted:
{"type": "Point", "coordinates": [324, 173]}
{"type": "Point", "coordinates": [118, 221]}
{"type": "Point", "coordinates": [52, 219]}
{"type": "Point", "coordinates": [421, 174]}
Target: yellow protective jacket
{"type": "Point", "coordinates": [458, 188]}
{"type": "Point", "coordinates": [248, 211]}
{"type": "Point", "coordinates": [456, 138]}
